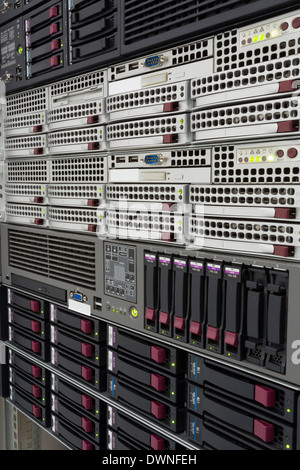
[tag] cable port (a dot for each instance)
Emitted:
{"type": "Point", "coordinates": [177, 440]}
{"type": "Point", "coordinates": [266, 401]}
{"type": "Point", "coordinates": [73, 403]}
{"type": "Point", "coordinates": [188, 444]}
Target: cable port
{"type": "Point", "coordinates": [17, 5]}
{"type": "Point", "coordinates": [153, 159]}
{"type": "Point", "coordinates": [154, 61]}
{"type": "Point", "coordinates": [97, 303]}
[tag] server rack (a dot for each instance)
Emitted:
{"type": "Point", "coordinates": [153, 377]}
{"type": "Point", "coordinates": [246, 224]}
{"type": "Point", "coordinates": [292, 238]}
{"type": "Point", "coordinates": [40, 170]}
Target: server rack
{"type": "Point", "coordinates": [150, 223]}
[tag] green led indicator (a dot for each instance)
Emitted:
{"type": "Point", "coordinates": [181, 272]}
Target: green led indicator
{"type": "Point", "coordinates": [228, 354]}
{"type": "Point", "coordinates": [262, 37]}
{"type": "Point", "coordinates": [172, 393]}
{"type": "Point", "coordinates": [288, 410]}
{"type": "Point", "coordinates": [173, 364]}
{"type": "Point", "coordinates": [181, 121]}
{"type": "Point", "coordinates": [255, 39]}
{"type": "Point", "coordinates": [180, 191]}
{"type": "Point", "coordinates": [173, 422]}
{"type": "Point", "coordinates": [97, 411]}
{"type": "Point", "coordinates": [20, 50]}
{"type": "Point", "coordinates": [287, 446]}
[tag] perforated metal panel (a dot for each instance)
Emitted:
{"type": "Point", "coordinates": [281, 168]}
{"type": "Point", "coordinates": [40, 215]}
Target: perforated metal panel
{"type": "Point", "coordinates": [246, 118]}
{"type": "Point", "coordinates": [82, 169]}
{"type": "Point", "coordinates": [26, 214]}
{"type": "Point", "coordinates": [76, 140]}
{"type": "Point", "coordinates": [78, 219]}
{"type": "Point", "coordinates": [76, 194]}
{"type": "Point", "coordinates": [159, 130]}
{"type": "Point", "coordinates": [31, 101]}
{"type": "Point", "coordinates": [27, 171]}
{"type": "Point", "coordinates": [143, 192]}
{"type": "Point", "coordinates": [27, 145]}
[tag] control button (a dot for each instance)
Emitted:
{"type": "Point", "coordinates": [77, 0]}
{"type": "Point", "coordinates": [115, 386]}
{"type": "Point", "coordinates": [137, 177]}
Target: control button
{"type": "Point", "coordinates": [157, 443]}
{"type": "Point", "coordinates": [93, 146]}
{"type": "Point", "coordinates": [231, 338]}
{"type": "Point", "coordinates": [134, 312]}
{"type": "Point", "coordinates": [284, 251]}
{"type": "Point", "coordinates": [265, 431]}
{"type": "Point", "coordinates": [93, 202]}
{"type": "Point", "coordinates": [92, 119]}
{"type": "Point", "coordinates": [35, 306]}
{"type": "Point", "coordinates": [92, 228]}
{"type": "Point", "coordinates": [284, 26]}
{"type": "Point", "coordinates": [36, 391]}
{"type": "Point", "coordinates": [280, 153]}
{"type": "Point", "coordinates": [37, 128]}
{"type": "Point", "coordinates": [158, 354]}
{"type": "Point", "coordinates": [38, 222]}
{"type": "Point", "coordinates": [35, 326]}
{"type": "Point", "coordinates": [168, 107]}
{"type": "Point", "coordinates": [37, 411]}
{"type": "Point", "coordinates": [35, 346]}
{"type": "Point", "coordinates": [150, 314]}
{"type": "Point", "coordinates": [54, 61]}
{"type": "Point", "coordinates": [54, 28]}
{"type": "Point", "coordinates": [164, 318]}
{"type": "Point", "coordinates": [36, 371]}
{"type": "Point", "coordinates": [55, 44]}
{"type": "Point", "coordinates": [158, 410]}
{"type": "Point", "coordinates": [195, 328]}
{"type": "Point", "coordinates": [158, 382]}
{"type": "Point", "coordinates": [292, 153]}
{"type": "Point", "coordinates": [179, 323]}
{"type": "Point", "coordinates": [170, 139]}
{"type": "Point", "coordinates": [86, 326]}
{"type": "Point", "coordinates": [212, 333]}
{"type": "Point", "coordinates": [265, 395]}
{"type": "Point", "coordinates": [53, 12]}
{"type": "Point", "coordinates": [87, 349]}
{"type": "Point", "coordinates": [87, 402]}
{"type": "Point", "coordinates": [87, 373]}
{"type": "Point", "coordinates": [86, 445]}
{"type": "Point", "coordinates": [86, 424]}
{"type": "Point", "coordinates": [296, 23]}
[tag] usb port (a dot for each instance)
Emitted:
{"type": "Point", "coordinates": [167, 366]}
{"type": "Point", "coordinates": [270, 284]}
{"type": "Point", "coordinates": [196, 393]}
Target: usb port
{"type": "Point", "coordinates": [97, 303]}
{"type": "Point", "coordinates": [121, 69]}
{"type": "Point", "coordinates": [134, 66]}
{"type": "Point", "coordinates": [133, 159]}
{"type": "Point", "coordinates": [121, 159]}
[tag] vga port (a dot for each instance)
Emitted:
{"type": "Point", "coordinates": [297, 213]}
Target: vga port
{"type": "Point", "coordinates": [154, 61]}
{"type": "Point", "coordinates": [153, 159]}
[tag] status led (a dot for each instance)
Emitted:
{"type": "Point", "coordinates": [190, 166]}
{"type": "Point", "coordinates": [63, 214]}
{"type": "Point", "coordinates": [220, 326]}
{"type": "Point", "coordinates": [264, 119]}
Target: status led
{"type": "Point", "coordinates": [252, 159]}
{"type": "Point", "coordinates": [258, 159]}
{"type": "Point", "coordinates": [255, 39]}
{"type": "Point", "coordinates": [274, 34]}
{"type": "Point", "coordinates": [262, 37]}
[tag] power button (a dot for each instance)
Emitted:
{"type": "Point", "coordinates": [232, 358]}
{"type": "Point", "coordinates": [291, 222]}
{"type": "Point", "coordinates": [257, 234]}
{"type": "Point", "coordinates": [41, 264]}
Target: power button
{"type": "Point", "coordinates": [134, 312]}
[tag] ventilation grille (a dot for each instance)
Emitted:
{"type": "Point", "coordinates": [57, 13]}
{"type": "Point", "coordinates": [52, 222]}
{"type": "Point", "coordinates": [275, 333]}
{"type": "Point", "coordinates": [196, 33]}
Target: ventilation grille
{"type": "Point", "coordinates": [242, 230]}
{"type": "Point", "coordinates": [69, 215]}
{"type": "Point", "coordinates": [255, 75]}
{"type": "Point", "coordinates": [77, 84]}
{"type": "Point", "coordinates": [25, 190]}
{"type": "Point", "coordinates": [148, 97]}
{"type": "Point", "coordinates": [74, 191]}
{"type": "Point", "coordinates": [148, 19]}
{"type": "Point", "coordinates": [143, 192]}
{"type": "Point", "coordinates": [56, 258]}
{"type": "Point", "coordinates": [190, 157]}
{"type": "Point", "coordinates": [145, 221]}
{"type": "Point", "coordinates": [225, 171]}
{"type": "Point", "coordinates": [26, 120]}
{"type": "Point", "coordinates": [28, 142]}
{"type": "Point", "coordinates": [79, 170]}
{"type": "Point", "coordinates": [33, 171]}
{"type": "Point", "coordinates": [228, 58]}
{"type": "Point", "coordinates": [31, 101]}
{"type": "Point", "coordinates": [246, 114]}
{"type": "Point", "coordinates": [76, 136]}
{"type": "Point", "coordinates": [24, 210]}
{"type": "Point", "coordinates": [145, 128]}
{"type": "Point", "coordinates": [243, 195]}
{"type": "Point", "coordinates": [75, 111]}
{"type": "Point", "coordinates": [191, 52]}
